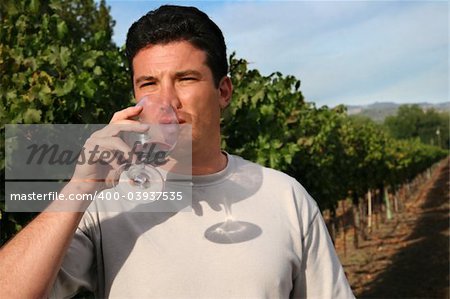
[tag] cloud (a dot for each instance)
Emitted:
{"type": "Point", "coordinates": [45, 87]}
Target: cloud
{"type": "Point", "coordinates": [344, 50]}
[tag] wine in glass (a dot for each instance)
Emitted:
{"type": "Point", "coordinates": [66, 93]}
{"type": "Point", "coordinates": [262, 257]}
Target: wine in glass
{"type": "Point", "coordinates": [152, 148]}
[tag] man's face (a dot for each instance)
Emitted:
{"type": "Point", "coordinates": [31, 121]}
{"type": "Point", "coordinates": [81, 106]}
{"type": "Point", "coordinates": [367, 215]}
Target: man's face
{"type": "Point", "coordinates": [178, 74]}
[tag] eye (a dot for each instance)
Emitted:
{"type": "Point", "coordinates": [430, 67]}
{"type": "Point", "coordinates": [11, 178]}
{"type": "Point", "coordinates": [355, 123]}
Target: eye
{"type": "Point", "coordinates": [188, 79]}
{"type": "Point", "coordinates": [147, 84]}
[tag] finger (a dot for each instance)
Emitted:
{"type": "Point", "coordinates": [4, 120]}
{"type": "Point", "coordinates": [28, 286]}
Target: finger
{"type": "Point", "coordinates": [106, 148]}
{"type": "Point", "coordinates": [125, 121]}
{"type": "Point", "coordinates": [127, 113]}
{"type": "Point", "coordinates": [197, 208]}
{"type": "Point", "coordinates": [115, 129]}
{"type": "Point", "coordinates": [122, 151]}
{"type": "Point", "coordinates": [112, 178]}
{"type": "Point", "coordinates": [215, 206]}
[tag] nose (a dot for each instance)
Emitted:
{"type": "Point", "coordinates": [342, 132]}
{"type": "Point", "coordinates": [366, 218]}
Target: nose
{"type": "Point", "coordinates": [169, 96]}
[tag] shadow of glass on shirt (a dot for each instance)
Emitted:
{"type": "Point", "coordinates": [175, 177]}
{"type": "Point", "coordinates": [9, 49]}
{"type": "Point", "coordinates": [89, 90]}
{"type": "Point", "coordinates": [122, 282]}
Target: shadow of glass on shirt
{"type": "Point", "coordinates": [243, 183]}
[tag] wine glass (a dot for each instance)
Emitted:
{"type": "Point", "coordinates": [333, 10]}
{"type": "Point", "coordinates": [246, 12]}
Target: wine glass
{"type": "Point", "coordinates": [152, 148]}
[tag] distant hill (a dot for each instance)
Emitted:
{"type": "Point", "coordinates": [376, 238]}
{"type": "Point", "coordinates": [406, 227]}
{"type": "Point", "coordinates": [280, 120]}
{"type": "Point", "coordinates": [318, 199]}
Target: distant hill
{"type": "Point", "coordinates": [378, 111]}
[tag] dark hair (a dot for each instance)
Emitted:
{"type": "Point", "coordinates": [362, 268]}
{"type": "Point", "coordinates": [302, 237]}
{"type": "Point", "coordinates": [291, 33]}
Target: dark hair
{"type": "Point", "coordinates": [171, 23]}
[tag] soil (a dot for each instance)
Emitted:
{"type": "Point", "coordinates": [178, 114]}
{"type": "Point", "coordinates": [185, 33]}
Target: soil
{"type": "Point", "coordinates": [407, 256]}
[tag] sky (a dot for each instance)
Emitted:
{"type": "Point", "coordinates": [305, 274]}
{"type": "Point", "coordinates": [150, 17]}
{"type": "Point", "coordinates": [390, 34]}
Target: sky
{"type": "Point", "coordinates": [343, 52]}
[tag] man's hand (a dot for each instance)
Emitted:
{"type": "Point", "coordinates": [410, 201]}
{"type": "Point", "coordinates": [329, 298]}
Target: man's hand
{"type": "Point", "coordinates": [106, 150]}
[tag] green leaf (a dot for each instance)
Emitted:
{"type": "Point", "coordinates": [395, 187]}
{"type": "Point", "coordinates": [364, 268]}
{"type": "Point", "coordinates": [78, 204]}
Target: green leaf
{"type": "Point", "coordinates": [64, 56]}
{"type": "Point", "coordinates": [64, 89]}
{"type": "Point", "coordinates": [18, 227]}
{"type": "Point", "coordinates": [97, 70]}
{"type": "Point", "coordinates": [11, 8]}
{"type": "Point", "coordinates": [30, 63]}
{"type": "Point", "coordinates": [34, 6]}
{"type": "Point", "coordinates": [45, 95]}
{"type": "Point", "coordinates": [98, 36]}
{"type": "Point", "coordinates": [90, 62]}
{"type": "Point", "coordinates": [32, 116]}
{"type": "Point", "coordinates": [90, 58]}
{"type": "Point", "coordinates": [61, 29]}
{"type": "Point", "coordinates": [89, 88]}
{"type": "Point", "coordinates": [11, 95]}
{"type": "Point", "coordinates": [56, 5]}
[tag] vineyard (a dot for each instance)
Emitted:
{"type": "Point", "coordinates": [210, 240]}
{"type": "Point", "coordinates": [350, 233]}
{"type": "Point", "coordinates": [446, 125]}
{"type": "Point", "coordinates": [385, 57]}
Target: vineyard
{"type": "Point", "coordinates": [58, 65]}
{"type": "Point", "coordinates": [333, 155]}
{"type": "Point", "coordinates": [406, 256]}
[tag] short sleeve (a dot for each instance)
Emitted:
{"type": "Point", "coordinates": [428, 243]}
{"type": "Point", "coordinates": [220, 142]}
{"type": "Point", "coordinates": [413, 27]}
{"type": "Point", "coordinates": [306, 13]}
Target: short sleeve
{"type": "Point", "coordinates": [78, 270]}
{"type": "Point", "coordinates": [321, 276]}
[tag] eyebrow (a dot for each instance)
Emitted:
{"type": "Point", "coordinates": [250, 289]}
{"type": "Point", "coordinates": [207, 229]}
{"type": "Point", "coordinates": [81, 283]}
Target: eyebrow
{"type": "Point", "coordinates": [188, 73]}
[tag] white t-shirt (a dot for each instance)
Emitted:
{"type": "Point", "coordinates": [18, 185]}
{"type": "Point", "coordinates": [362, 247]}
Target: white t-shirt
{"type": "Point", "coordinates": [279, 248]}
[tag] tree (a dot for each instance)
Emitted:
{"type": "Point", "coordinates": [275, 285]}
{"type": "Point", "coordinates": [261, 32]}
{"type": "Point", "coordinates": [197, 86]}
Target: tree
{"type": "Point", "coordinates": [444, 130]}
{"type": "Point", "coordinates": [411, 121]}
{"type": "Point", "coordinates": [260, 120]}
{"type": "Point", "coordinates": [406, 123]}
{"type": "Point", "coordinates": [58, 65]}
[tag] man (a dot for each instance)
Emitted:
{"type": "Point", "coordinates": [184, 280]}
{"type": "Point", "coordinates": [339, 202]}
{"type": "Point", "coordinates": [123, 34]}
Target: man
{"type": "Point", "coordinates": [277, 245]}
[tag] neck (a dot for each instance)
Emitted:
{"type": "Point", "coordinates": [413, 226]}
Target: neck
{"type": "Point", "coordinates": [208, 163]}
{"type": "Point", "coordinates": [202, 163]}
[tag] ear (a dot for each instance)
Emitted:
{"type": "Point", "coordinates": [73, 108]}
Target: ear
{"type": "Point", "coordinates": [225, 92]}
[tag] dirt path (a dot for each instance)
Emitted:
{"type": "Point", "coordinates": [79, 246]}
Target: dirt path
{"type": "Point", "coordinates": [407, 257]}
